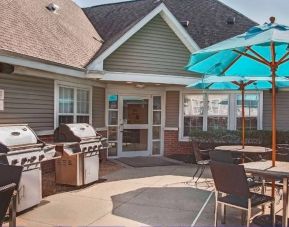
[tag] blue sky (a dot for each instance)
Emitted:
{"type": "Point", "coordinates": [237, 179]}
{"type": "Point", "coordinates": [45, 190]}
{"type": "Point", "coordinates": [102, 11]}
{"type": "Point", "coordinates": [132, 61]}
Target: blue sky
{"type": "Point", "coordinates": [258, 10]}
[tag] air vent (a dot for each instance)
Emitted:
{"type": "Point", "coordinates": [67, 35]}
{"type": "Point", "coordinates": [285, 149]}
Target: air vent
{"type": "Point", "coordinates": [185, 23]}
{"type": "Point", "coordinates": [231, 20]}
{"type": "Point", "coordinates": [52, 7]}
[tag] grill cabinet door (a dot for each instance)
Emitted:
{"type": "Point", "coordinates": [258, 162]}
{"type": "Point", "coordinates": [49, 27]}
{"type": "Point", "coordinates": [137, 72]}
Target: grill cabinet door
{"type": "Point", "coordinates": [30, 190]}
{"type": "Point", "coordinates": [91, 168]}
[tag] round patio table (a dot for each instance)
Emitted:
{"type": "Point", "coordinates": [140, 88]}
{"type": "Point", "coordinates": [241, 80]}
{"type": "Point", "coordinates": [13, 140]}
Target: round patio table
{"type": "Point", "coordinates": [257, 150]}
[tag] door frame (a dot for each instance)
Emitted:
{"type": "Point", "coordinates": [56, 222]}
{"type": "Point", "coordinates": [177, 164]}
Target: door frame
{"type": "Point", "coordinates": [122, 126]}
{"type": "Point", "coordinates": [141, 93]}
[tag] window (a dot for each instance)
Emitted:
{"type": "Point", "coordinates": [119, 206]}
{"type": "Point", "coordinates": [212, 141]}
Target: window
{"type": "Point", "coordinates": [193, 113]}
{"type": "Point", "coordinates": [251, 111]}
{"type": "Point", "coordinates": [73, 104]}
{"type": "Point", "coordinates": [209, 111]}
{"type": "Point", "coordinates": [112, 124]}
{"type": "Point", "coordinates": [218, 108]}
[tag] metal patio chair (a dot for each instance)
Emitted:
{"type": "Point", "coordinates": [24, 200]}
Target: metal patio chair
{"type": "Point", "coordinates": [227, 157]}
{"type": "Point", "coordinates": [9, 182]}
{"type": "Point", "coordinates": [231, 189]}
{"type": "Point", "coordinates": [202, 160]}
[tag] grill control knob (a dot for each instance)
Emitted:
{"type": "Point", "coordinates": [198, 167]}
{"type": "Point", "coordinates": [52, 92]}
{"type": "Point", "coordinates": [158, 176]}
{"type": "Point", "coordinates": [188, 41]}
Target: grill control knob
{"type": "Point", "coordinates": [23, 161]}
{"type": "Point", "coordinates": [90, 149]}
{"type": "Point", "coordinates": [33, 158]}
{"type": "Point", "coordinates": [41, 157]}
{"type": "Point", "coordinates": [14, 162]}
{"type": "Point", "coordinates": [95, 147]}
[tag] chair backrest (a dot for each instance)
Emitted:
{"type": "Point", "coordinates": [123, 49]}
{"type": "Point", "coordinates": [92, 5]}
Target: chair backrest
{"type": "Point", "coordinates": [196, 151]}
{"type": "Point", "coordinates": [221, 156]}
{"type": "Point", "coordinates": [6, 192]}
{"type": "Point", "coordinates": [10, 174]}
{"type": "Point", "coordinates": [230, 179]}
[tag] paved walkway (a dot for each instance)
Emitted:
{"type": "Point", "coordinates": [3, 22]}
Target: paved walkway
{"type": "Point", "coordinates": [132, 197]}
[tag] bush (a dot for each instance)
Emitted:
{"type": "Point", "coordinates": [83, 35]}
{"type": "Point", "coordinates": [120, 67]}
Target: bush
{"type": "Point", "coordinates": [253, 137]}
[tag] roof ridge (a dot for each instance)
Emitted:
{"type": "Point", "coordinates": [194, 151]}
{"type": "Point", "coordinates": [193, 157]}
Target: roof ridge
{"type": "Point", "coordinates": [113, 3]}
{"type": "Point", "coordinates": [241, 14]}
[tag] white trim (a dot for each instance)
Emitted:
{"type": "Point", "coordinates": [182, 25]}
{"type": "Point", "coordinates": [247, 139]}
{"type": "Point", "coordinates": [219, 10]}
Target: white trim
{"type": "Point", "coordinates": [20, 70]}
{"type": "Point", "coordinates": [101, 129]}
{"type": "Point", "coordinates": [97, 64]}
{"type": "Point", "coordinates": [171, 129]}
{"type": "Point", "coordinates": [144, 78]}
{"type": "Point", "coordinates": [75, 86]}
{"type": "Point", "coordinates": [42, 66]}
{"type": "Point", "coordinates": [44, 132]}
{"type": "Point", "coordinates": [179, 30]}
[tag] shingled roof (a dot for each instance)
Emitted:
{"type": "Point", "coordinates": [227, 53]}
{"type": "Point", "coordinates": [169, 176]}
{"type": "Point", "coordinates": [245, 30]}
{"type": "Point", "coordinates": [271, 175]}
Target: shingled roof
{"type": "Point", "coordinates": [207, 19]}
{"type": "Point", "coordinates": [29, 29]}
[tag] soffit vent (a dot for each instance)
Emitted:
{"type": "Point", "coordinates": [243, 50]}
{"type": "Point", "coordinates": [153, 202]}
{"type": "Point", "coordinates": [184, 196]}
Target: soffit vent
{"type": "Point", "coordinates": [231, 20]}
{"type": "Point", "coordinates": [52, 7]}
{"type": "Point", "coordinates": [185, 23]}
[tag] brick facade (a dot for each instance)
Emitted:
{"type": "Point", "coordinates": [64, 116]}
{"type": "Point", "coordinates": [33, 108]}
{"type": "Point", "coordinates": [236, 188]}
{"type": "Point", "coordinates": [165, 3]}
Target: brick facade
{"type": "Point", "coordinates": [173, 146]}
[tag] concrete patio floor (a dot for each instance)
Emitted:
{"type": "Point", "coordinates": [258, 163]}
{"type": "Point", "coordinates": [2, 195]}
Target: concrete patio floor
{"type": "Point", "coordinates": [150, 196]}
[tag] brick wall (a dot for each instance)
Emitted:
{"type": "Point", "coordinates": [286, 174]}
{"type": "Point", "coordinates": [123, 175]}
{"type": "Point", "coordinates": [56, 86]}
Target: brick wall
{"type": "Point", "coordinates": [172, 145]}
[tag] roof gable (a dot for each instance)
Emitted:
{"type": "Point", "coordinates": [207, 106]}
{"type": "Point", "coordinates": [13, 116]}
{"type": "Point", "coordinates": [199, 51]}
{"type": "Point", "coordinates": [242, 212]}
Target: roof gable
{"type": "Point", "coordinates": [115, 42]}
{"type": "Point", "coordinates": [207, 19]}
{"type": "Point", "coordinates": [154, 49]}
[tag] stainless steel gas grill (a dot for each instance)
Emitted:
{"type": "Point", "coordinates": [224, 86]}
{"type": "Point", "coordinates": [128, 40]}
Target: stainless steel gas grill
{"type": "Point", "coordinates": [79, 145]}
{"type": "Point", "coordinates": [20, 146]}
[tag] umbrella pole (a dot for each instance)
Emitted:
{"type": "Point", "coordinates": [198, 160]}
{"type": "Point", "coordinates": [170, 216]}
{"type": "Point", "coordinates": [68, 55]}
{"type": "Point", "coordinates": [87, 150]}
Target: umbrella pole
{"type": "Point", "coordinates": [243, 116]}
{"type": "Point", "coordinates": [274, 137]}
{"type": "Point", "coordinates": [273, 66]}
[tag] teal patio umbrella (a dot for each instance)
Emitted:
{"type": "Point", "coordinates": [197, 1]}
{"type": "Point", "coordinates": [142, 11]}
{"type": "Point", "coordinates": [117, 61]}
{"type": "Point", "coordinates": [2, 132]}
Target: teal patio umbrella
{"type": "Point", "coordinates": [261, 51]}
{"type": "Point", "coordinates": [239, 83]}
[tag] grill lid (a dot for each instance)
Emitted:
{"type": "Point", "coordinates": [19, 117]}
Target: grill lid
{"type": "Point", "coordinates": [16, 135]}
{"type": "Point", "coordinates": [82, 130]}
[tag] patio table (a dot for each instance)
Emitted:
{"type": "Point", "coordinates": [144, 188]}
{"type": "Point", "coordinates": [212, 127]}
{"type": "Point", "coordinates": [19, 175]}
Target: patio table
{"type": "Point", "coordinates": [259, 150]}
{"type": "Point", "coordinates": [281, 170]}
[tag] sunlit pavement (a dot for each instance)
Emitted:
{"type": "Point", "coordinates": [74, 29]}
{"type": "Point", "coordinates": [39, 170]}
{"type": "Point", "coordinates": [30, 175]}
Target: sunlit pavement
{"type": "Point", "coordinates": [150, 196]}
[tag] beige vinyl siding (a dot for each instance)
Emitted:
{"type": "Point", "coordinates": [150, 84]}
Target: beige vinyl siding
{"type": "Point", "coordinates": [282, 110]}
{"type": "Point", "coordinates": [172, 108]}
{"type": "Point", "coordinates": [155, 49]}
{"type": "Point", "coordinates": [98, 107]}
{"type": "Point", "coordinates": [28, 100]}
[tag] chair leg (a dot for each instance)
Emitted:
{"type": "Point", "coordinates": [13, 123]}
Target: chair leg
{"type": "Point", "coordinates": [216, 212]}
{"type": "Point", "coordinates": [248, 217]}
{"type": "Point", "coordinates": [223, 213]}
{"type": "Point", "coordinates": [273, 213]}
{"type": "Point", "coordinates": [201, 173]}
{"type": "Point", "coordinates": [198, 168]}
{"type": "Point", "coordinates": [249, 212]}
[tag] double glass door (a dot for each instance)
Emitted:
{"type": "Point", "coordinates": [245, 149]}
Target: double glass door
{"type": "Point", "coordinates": [136, 128]}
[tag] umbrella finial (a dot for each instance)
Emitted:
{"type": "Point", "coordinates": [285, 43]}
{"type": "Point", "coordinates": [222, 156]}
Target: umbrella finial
{"type": "Point", "coordinates": [272, 20]}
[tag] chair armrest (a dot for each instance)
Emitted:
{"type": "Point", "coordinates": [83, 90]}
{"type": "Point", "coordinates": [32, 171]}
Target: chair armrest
{"type": "Point", "coordinates": [205, 151]}
{"type": "Point", "coordinates": [7, 187]}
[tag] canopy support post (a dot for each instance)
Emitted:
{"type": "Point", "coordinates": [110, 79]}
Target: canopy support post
{"type": "Point", "coordinates": [273, 66]}
{"type": "Point", "coordinates": [243, 115]}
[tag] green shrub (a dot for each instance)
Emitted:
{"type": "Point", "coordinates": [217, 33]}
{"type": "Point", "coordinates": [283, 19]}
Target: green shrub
{"type": "Point", "coordinates": [253, 137]}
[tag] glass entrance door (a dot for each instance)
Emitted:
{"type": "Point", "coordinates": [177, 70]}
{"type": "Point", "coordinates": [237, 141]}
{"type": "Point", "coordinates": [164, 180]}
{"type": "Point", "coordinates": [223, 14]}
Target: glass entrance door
{"type": "Point", "coordinates": [134, 127]}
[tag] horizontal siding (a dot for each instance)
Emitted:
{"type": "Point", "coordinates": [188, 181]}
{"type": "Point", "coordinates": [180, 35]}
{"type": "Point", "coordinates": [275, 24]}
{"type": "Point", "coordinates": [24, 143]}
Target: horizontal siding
{"type": "Point", "coordinates": [282, 110]}
{"type": "Point", "coordinates": [28, 100]}
{"type": "Point", "coordinates": [172, 108]}
{"type": "Point", "coordinates": [155, 49]}
{"type": "Point", "coordinates": [98, 107]}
